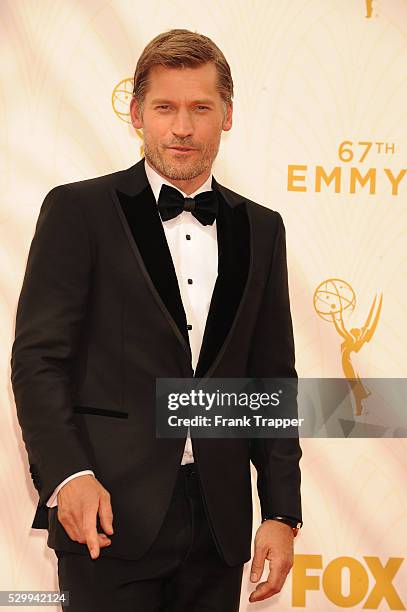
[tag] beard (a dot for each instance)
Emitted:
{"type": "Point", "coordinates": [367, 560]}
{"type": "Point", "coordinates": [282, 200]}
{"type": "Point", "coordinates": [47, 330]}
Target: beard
{"type": "Point", "coordinates": [184, 169]}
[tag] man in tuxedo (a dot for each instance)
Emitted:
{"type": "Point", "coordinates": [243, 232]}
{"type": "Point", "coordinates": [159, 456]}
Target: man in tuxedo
{"type": "Point", "coordinates": [156, 271]}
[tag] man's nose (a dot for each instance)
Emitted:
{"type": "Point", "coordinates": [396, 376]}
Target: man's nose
{"type": "Point", "coordinates": [182, 125]}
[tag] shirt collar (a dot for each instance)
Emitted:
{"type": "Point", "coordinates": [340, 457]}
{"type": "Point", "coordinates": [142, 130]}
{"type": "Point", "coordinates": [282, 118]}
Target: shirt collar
{"type": "Point", "coordinates": [156, 181]}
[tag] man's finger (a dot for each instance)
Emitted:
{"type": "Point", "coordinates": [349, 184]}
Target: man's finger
{"type": "Point", "coordinates": [104, 540]}
{"type": "Point", "coordinates": [92, 542]}
{"type": "Point", "coordinates": [263, 591]}
{"type": "Point", "coordinates": [90, 532]}
{"type": "Point", "coordinates": [258, 563]}
{"type": "Point", "coordinates": [275, 582]}
{"type": "Point", "coordinates": [106, 514]}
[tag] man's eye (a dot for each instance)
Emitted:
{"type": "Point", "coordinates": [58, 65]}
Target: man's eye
{"type": "Point", "coordinates": [202, 107]}
{"type": "Point", "coordinates": [163, 106]}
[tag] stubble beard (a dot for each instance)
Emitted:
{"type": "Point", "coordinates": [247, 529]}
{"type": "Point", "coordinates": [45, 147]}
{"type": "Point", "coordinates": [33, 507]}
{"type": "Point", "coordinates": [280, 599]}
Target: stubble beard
{"type": "Point", "coordinates": [184, 170]}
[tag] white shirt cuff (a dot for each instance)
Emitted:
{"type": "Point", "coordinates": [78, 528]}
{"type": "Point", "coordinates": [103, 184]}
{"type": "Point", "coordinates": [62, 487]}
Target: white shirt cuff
{"type": "Point", "coordinates": [52, 502]}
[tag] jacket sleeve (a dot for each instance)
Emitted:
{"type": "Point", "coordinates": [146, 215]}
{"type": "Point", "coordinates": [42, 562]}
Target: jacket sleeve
{"type": "Point", "coordinates": [50, 313]}
{"type": "Point", "coordinates": [272, 355]}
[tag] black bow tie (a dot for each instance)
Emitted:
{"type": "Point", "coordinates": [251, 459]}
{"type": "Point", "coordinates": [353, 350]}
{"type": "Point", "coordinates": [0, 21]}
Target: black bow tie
{"type": "Point", "coordinates": [203, 206]}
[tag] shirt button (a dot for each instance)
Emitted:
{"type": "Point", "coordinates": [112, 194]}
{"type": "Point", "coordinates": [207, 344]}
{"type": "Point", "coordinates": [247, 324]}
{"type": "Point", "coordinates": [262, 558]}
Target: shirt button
{"type": "Point", "coordinates": [189, 327]}
{"type": "Point", "coordinates": [188, 237]}
{"type": "Point", "coordinates": [190, 281]}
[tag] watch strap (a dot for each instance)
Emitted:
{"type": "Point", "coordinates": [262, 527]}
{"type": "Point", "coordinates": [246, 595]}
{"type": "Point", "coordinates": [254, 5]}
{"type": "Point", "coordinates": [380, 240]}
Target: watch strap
{"type": "Point", "coordinates": [295, 524]}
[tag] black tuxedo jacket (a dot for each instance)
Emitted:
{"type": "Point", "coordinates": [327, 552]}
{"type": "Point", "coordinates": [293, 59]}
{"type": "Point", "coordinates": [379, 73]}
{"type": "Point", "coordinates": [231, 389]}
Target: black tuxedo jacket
{"type": "Point", "coordinates": [100, 317]}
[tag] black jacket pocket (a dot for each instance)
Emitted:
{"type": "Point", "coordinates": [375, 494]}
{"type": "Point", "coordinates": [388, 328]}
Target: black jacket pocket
{"type": "Point", "coordinates": [117, 414]}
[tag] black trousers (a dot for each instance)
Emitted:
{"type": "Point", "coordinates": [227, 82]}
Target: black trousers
{"type": "Point", "coordinates": [182, 571]}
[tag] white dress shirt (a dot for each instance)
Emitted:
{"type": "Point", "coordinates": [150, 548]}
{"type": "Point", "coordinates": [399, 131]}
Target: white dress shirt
{"type": "Point", "coordinates": [194, 252]}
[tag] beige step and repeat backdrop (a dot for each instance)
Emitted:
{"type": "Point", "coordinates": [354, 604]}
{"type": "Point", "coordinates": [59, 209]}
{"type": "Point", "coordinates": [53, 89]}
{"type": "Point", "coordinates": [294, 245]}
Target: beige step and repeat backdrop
{"type": "Point", "coordinates": [319, 135]}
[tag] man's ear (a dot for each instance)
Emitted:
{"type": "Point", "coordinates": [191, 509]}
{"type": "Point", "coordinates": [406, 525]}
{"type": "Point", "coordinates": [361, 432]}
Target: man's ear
{"type": "Point", "coordinates": [135, 114]}
{"type": "Point", "coordinates": [227, 121]}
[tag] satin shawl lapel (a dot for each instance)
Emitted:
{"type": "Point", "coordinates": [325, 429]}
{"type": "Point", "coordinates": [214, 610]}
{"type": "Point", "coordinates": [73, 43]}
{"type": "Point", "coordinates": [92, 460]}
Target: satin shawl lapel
{"type": "Point", "coordinates": [233, 269]}
{"type": "Point", "coordinates": [138, 211]}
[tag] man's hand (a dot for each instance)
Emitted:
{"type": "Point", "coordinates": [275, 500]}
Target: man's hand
{"type": "Point", "coordinates": [79, 501]}
{"type": "Point", "coordinates": [274, 542]}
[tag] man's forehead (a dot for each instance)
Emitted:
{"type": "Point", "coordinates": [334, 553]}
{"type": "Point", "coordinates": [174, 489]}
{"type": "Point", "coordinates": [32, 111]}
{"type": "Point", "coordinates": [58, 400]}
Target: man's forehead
{"type": "Point", "coordinates": [203, 76]}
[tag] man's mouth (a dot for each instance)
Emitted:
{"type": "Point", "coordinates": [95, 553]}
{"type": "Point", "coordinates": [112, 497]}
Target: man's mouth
{"type": "Point", "coordinates": [182, 149]}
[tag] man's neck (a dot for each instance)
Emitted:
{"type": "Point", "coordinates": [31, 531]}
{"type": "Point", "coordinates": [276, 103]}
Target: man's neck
{"type": "Point", "coordinates": [186, 186]}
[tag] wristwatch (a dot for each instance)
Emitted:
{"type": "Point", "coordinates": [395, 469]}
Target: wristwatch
{"type": "Point", "coordinates": [291, 522]}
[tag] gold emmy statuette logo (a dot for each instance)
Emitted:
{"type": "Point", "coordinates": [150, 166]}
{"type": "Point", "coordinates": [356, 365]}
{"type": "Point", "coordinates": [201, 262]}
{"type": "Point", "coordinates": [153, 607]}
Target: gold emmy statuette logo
{"type": "Point", "coordinates": [121, 96]}
{"type": "Point", "coordinates": [333, 298]}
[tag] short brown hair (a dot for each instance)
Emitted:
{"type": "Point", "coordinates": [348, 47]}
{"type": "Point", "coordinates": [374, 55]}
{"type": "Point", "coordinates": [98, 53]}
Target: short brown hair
{"type": "Point", "coordinates": [179, 49]}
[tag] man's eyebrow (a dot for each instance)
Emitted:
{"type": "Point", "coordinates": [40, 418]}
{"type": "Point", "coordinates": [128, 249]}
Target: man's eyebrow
{"type": "Point", "coordinates": [207, 101]}
{"type": "Point", "coordinates": [160, 101]}
{"type": "Point", "coordinates": [203, 101]}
